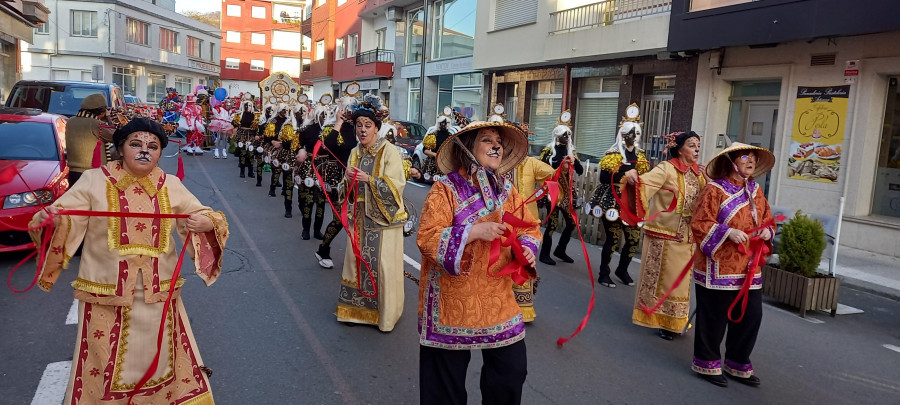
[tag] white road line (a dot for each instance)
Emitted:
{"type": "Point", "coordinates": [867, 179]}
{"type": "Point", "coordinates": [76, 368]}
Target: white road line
{"type": "Point", "coordinates": [416, 184]}
{"type": "Point", "coordinates": [412, 262]}
{"type": "Point", "coordinates": [72, 317]}
{"type": "Point", "coordinates": [891, 347]}
{"type": "Point", "coordinates": [52, 388]}
{"type": "Point", "coordinates": [808, 319]}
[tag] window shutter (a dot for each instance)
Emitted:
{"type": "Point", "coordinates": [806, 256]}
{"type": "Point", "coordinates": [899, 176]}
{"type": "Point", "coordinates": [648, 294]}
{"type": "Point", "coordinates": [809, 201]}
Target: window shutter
{"type": "Point", "coordinates": [595, 125]}
{"type": "Point", "coordinates": [512, 13]}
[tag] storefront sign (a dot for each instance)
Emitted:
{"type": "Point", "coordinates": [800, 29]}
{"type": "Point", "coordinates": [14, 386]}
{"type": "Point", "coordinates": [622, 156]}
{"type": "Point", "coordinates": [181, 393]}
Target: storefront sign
{"type": "Point", "coordinates": [851, 71]}
{"type": "Point", "coordinates": [209, 67]}
{"type": "Point", "coordinates": [819, 122]}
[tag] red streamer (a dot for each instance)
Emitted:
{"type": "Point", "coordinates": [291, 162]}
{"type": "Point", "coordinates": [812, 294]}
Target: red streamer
{"type": "Point", "coordinates": [757, 248]}
{"type": "Point", "coordinates": [97, 159]}
{"type": "Point", "coordinates": [518, 268]}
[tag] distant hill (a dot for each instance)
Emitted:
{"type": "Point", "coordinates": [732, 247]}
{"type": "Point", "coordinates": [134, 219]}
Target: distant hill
{"type": "Point", "coordinates": [213, 18]}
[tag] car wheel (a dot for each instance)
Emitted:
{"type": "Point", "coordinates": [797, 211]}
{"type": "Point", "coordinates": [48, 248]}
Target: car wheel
{"type": "Point", "coordinates": [417, 165]}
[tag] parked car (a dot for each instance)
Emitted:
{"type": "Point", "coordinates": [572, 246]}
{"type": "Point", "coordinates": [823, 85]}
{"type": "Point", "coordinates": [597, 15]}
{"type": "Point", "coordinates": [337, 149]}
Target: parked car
{"type": "Point", "coordinates": [34, 147]}
{"type": "Point", "coordinates": [133, 101]}
{"type": "Point", "coordinates": [411, 135]}
{"type": "Point", "coordinates": [60, 97]}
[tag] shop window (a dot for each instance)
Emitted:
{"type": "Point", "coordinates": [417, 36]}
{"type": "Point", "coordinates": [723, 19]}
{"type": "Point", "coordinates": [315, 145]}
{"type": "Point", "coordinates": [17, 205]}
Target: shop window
{"type": "Point", "coordinates": [183, 85]}
{"type": "Point", "coordinates": [467, 95]}
{"type": "Point", "coordinates": [886, 196]}
{"type": "Point", "coordinates": [126, 78]}
{"type": "Point", "coordinates": [414, 94]}
{"type": "Point", "coordinates": [546, 105]}
{"type": "Point", "coordinates": [511, 101]}
{"type": "Point", "coordinates": [156, 87]}
{"type": "Point", "coordinates": [596, 116]}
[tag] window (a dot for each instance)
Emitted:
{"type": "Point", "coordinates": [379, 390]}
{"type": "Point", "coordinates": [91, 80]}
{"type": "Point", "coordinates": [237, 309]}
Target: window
{"type": "Point", "coordinates": [256, 64]}
{"type": "Point", "coordinates": [126, 78]}
{"type": "Point", "coordinates": [513, 13]}
{"type": "Point", "coordinates": [452, 28]}
{"type": "Point", "coordinates": [414, 94]}
{"type": "Point", "coordinates": [257, 38]}
{"type": "Point", "coordinates": [512, 101]}
{"type": "Point", "coordinates": [212, 52]}
{"type": "Point", "coordinates": [414, 23]}
{"type": "Point", "coordinates": [194, 47]}
{"type": "Point", "coordinates": [233, 36]}
{"type": "Point", "coordinates": [352, 45]}
{"type": "Point", "coordinates": [339, 49]}
{"type": "Point", "coordinates": [341, 2]}
{"type": "Point", "coordinates": [137, 32]}
{"type": "Point", "coordinates": [233, 10]}
{"type": "Point", "coordinates": [546, 105]}
{"type": "Point", "coordinates": [156, 87]}
{"type": "Point", "coordinates": [320, 49]}
{"type": "Point", "coordinates": [290, 66]}
{"type": "Point", "coordinates": [886, 195]}
{"type": "Point", "coordinates": [60, 74]}
{"type": "Point", "coordinates": [183, 85]}
{"type": "Point", "coordinates": [306, 63]}
{"type": "Point", "coordinates": [84, 23]}
{"type": "Point", "coordinates": [319, 2]}
{"type": "Point", "coordinates": [43, 28]}
{"type": "Point", "coordinates": [232, 63]}
{"type": "Point", "coordinates": [287, 40]}
{"type": "Point", "coordinates": [381, 39]}
{"type": "Point", "coordinates": [597, 114]}
{"type": "Point", "coordinates": [168, 40]}
{"type": "Point", "coordinates": [86, 76]}
{"type": "Point", "coordinates": [467, 95]}
{"type": "Point", "coordinates": [258, 12]}
{"type": "Point", "coordinates": [697, 5]}
{"type": "Point", "coordinates": [288, 13]}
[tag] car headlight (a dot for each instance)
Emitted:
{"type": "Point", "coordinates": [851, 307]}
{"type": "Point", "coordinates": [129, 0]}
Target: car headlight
{"type": "Point", "coordinates": [27, 199]}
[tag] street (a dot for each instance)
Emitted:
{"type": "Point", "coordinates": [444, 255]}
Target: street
{"type": "Point", "coordinates": [267, 329]}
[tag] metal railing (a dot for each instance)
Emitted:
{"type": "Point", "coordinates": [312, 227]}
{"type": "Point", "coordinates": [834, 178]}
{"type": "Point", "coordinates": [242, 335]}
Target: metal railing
{"type": "Point", "coordinates": [605, 13]}
{"type": "Point", "coordinates": [375, 55]}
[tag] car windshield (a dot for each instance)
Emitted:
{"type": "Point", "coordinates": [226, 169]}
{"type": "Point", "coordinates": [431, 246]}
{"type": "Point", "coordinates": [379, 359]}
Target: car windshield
{"type": "Point", "coordinates": [27, 141]}
{"type": "Point", "coordinates": [68, 102]}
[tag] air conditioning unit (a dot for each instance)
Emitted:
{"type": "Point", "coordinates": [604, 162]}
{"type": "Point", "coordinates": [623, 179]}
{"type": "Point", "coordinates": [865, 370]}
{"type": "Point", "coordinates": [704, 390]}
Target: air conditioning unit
{"type": "Point", "coordinates": [393, 14]}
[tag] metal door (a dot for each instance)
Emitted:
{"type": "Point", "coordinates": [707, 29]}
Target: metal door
{"type": "Point", "coordinates": [759, 129]}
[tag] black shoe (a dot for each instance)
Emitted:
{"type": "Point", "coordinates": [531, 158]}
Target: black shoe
{"type": "Point", "coordinates": [318, 235]}
{"type": "Point", "coordinates": [605, 281]}
{"type": "Point", "coordinates": [259, 181]}
{"type": "Point", "coordinates": [626, 279]}
{"type": "Point", "coordinates": [717, 379]}
{"type": "Point", "coordinates": [305, 234]}
{"type": "Point", "coordinates": [666, 335]}
{"type": "Point", "coordinates": [547, 260]}
{"type": "Point", "coordinates": [563, 256]}
{"type": "Point", "coordinates": [250, 174]}
{"type": "Point", "coordinates": [752, 381]}
{"type": "Point", "coordinates": [242, 173]}
{"type": "Point", "coordinates": [271, 192]}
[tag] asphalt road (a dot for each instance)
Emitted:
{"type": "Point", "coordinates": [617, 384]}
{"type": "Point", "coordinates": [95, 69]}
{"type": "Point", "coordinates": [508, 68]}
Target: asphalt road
{"type": "Point", "coordinates": [267, 330]}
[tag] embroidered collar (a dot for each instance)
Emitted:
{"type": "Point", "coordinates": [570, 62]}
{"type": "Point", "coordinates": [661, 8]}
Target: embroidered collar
{"type": "Point", "coordinates": [122, 179]}
{"type": "Point", "coordinates": [371, 150]}
{"type": "Point", "coordinates": [684, 168]}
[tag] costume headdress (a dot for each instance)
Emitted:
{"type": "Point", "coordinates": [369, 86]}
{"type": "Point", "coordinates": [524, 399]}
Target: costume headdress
{"type": "Point", "coordinates": [631, 121]}
{"type": "Point", "coordinates": [721, 165]}
{"type": "Point", "coordinates": [515, 146]}
{"type": "Point", "coordinates": [372, 109]}
{"type": "Point", "coordinates": [563, 127]}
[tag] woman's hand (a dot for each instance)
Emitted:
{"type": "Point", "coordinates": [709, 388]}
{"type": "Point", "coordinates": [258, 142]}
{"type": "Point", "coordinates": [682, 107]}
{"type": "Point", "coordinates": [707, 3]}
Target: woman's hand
{"type": "Point", "coordinates": [529, 255]}
{"type": "Point", "coordinates": [764, 234]}
{"type": "Point", "coordinates": [361, 176]}
{"type": "Point", "coordinates": [703, 172]}
{"type": "Point", "coordinates": [276, 144]}
{"type": "Point", "coordinates": [487, 231]}
{"type": "Point", "coordinates": [301, 155]}
{"type": "Point", "coordinates": [199, 223]}
{"type": "Point", "coordinates": [737, 236]}
{"type": "Point", "coordinates": [631, 177]}
{"type": "Point", "coordinates": [47, 211]}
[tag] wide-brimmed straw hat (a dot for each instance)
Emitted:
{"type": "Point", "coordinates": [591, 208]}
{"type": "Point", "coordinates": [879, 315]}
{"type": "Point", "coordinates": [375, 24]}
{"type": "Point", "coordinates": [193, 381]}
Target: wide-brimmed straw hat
{"type": "Point", "coordinates": [720, 166]}
{"type": "Point", "coordinates": [515, 146]}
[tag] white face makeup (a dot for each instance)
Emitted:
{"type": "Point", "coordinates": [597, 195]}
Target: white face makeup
{"type": "Point", "coordinates": [366, 131]}
{"type": "Point", "coordinates": [488, 149]}
{"type": "Point", "coordinates": [140, 153]}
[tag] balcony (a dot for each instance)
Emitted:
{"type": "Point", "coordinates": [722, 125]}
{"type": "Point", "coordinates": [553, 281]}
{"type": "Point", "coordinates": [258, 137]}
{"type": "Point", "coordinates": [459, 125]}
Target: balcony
{"type": "Point", "coordinates": [605, 13]}
{"type": "Point", "coordinates": [373, 64]}
{"type": "Point", "coordinates": [375, 55]}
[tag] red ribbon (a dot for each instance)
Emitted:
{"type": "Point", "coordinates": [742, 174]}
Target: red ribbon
{"type": "Point", "coordinates": [518, 268]}
{"type": "Point", "coordinates": [684, 272]}
{"type": "Point", "coordinates": [757, 249]}
{"type": "Point", "coordinates": [630, 218]}
{"type": "Point", "coordinates": [97, 159]}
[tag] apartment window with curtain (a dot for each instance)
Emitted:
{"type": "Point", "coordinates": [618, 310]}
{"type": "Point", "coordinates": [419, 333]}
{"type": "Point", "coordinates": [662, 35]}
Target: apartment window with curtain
{"type": "Point", "coordinates": [184, 85]}
{"type": "Point", "coordinates": [339, 49]}
{"type": "Point", "coordinates": [597, 115]}
{"type": "Point", "coordinates": [168, 40]}
{"type": "Point", "coordinates": [84, 23]}
{"type": "Point", "coordinates": [156, 87]}
{"type": "Point", "coordinates": [452, 28]}
{"type": "Point", "coordinates": [546, 105]}
{"type": "Point", "coordinates": [414, 94]}
{"type": "Point", "coordinates": [352, 45]}
{"type": "Point", "coordinates": [257, 64]}
{"type": "Point", "coordinates": [126, 78]}
{"type": "Point", "coordinates": [137, 32]}
{"type": "Point", "coordinates": [320, 49]}
{"type": "Point", "coordinates": [194, 47]}
{"type": "Point", "coordinates": [414, 34]}
{"type": "Point", "coordinates": [232, 63]}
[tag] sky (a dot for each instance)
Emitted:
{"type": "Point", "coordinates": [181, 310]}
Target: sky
{"type": "Point", "coordinates": [198, 5]}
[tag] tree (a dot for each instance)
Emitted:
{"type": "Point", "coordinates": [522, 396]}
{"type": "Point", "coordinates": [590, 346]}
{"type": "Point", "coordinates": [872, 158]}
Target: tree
{"type": "Point", "coordinates": [210, 18]}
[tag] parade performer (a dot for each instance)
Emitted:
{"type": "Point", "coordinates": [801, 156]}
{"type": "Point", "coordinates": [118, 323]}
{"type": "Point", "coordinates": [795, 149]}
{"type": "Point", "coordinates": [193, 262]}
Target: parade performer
{"type": "Point", "coordinates": [280, 129]}
{"type": "Point", "coordinates": [170, 107]}
{"type": "Point", "coordinates": [125, 275]}
{"type": "Point", "coordinates": [372, 291]}
{"type": "Point", "coordinates": [246, 122]}
{"type": "Point", "coordinates": [310, 197]}
{"type": "Point", "coordinates": [290, 146]}
{"type": "Point", "coordinates": [464, 304]}
{"type": "Point", "coordinates": [258, 145]}
{"type": "Point", "coordinates": [561, 152]}
{"type": "Point", "coordinates": [339, 140]}
{"type": "Point", "coordinates": [527, 177]}
{"type": "Point", "coordinates": [222, 128]}
{"type": "Point", "coordinates": [668, 242]}
{"type": "Point", "coordinates": [434, 138]}
{"type": "Point", "coordinates": [732, 224]}
{"type": "Point", "coordinates": [84, 132]}
{"type": "Point", "coordinates": [201, 98]}
{"type": "Point", "coordinates": [623, 157]}
{"type": "Point", "coordinates": [192, 124]}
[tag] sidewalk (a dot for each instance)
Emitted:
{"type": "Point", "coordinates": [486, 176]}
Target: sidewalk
{"type": "Point", "coordinates": [872, 272]}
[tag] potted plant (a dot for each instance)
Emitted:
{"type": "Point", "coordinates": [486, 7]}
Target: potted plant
{"type": "Point", "coordinates": [795, 280]}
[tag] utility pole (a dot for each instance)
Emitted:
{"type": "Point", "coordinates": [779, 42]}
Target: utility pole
{"type": "Point", "coordinates": [424, 56]}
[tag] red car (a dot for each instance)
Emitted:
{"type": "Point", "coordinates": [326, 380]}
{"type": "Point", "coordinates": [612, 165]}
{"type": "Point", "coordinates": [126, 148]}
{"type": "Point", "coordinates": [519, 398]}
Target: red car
{"type": "Point", "coordinates": [33, 148]}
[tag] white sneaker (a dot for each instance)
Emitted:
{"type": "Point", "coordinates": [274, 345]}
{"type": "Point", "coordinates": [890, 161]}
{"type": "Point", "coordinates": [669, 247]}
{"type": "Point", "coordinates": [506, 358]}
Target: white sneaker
{"type": "Point", "coordinates": [224, 153]}
{"type": "Point", "coordinates": [217, 153]}
{"type": "Point", "coordinates": [325, 263]}
{"type": "Point", "coordinates": [197, 150]}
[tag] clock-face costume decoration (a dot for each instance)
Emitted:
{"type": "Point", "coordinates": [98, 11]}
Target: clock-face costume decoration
{"type": "Point", "coordinates": [279, 87]}
{"type": "Point", "coordinates": [434, 138]}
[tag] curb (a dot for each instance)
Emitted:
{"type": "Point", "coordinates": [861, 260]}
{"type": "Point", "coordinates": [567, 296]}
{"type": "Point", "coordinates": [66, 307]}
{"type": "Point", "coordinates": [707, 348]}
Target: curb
{"type": "Point", "coordinates": [871, 288]}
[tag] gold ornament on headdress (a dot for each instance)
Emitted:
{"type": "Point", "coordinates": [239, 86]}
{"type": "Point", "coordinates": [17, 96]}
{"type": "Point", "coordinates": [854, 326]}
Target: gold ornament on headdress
{"type": "Point", "coordinates": [565, 119]}
{"type": "Point", "coordinates": [632, 114]}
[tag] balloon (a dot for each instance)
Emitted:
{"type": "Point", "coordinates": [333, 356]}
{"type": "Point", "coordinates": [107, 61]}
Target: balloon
{"type": "Point", "coordinates": [221, 93]}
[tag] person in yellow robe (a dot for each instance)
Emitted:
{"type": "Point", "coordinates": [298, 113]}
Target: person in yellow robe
{"type": "Point", "coordinates": [125, 273]}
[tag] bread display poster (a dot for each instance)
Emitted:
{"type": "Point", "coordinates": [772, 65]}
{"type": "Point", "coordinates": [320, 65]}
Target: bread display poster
{"type": "Point", "coordinates": [818, 134]}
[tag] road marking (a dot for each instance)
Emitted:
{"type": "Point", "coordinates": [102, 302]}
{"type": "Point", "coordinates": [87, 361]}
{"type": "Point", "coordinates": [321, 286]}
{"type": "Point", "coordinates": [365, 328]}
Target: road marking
{"type": "Point", "coordinates": [54, 381]}
{"type": "Point", "coordinates": [891, 347]}
{"type": "Point", "coordinates": [72, 317]}
{"type": "Point", "coordinates": [416, 184]}
{"type": "Point", "coordinates": [808, 319]}
{"type": "Point", "coordinates": [328, 364]}
{"type": "Point", "coordinates": [412, 262]}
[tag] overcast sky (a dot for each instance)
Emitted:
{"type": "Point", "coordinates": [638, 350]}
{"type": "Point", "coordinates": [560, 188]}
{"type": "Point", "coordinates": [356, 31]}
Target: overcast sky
{"type": "Point", "coordinates": [198, 5]}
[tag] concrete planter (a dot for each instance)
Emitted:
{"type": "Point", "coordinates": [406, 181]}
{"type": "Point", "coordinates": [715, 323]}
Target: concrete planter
{"type": "Point", "coordinates": [805, 293]}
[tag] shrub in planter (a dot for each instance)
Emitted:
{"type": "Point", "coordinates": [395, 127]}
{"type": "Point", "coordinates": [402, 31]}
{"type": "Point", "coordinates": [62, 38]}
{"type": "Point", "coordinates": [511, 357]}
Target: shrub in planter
{"type": "Point", "coordinates": [801, 246]}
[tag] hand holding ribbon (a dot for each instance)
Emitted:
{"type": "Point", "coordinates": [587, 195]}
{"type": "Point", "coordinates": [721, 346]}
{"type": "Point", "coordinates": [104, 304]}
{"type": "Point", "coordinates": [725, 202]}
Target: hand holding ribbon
{"type": "Point", "coordinates": [757, 249]}
{"type": "Point", "coordinates": [520, 269]}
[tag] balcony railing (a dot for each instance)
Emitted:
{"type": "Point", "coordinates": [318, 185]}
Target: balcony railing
{"type": "Point", "coordinates": [605, 13]}
{"type": "Point", "coordinates": [375, 55]}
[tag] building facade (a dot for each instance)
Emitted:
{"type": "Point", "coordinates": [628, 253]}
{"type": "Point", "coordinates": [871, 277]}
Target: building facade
{"type": "Point", "coordinates": [18, 21]}
{"type": "Point", "coordinates": [821, 93]}
{"type": "Point", "coordinates": [260, 37]}
{"type": "Point", "coordinates": [143, 46]}
{"type": "Point", "coordinates": [592, 58]}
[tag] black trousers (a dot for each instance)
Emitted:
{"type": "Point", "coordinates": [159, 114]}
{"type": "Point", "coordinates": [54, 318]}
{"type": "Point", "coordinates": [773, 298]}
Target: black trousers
{"type": "Point", "coordinates": [552, 224]}
{"type": "Point", "coordinates": [613, 231]}
{"type": "Point", "coordinates": [307, 199]}
{"type": "Point", "coordinates": [334, 227]}
{"type": "Point", "coordinates": [442, 375]}
{"type": "Point", "coordinates": [713, 325]}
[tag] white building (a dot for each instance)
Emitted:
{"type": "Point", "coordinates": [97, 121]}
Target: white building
{"type": "Point", "coordinates": [143, 46]}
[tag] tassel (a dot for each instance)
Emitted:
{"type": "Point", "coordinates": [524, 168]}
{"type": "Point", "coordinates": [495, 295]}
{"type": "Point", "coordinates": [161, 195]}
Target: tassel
{"type": "Point", "coordinates": [97, 160]}
{"type": "Point", "coordinates": [180, 172]}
